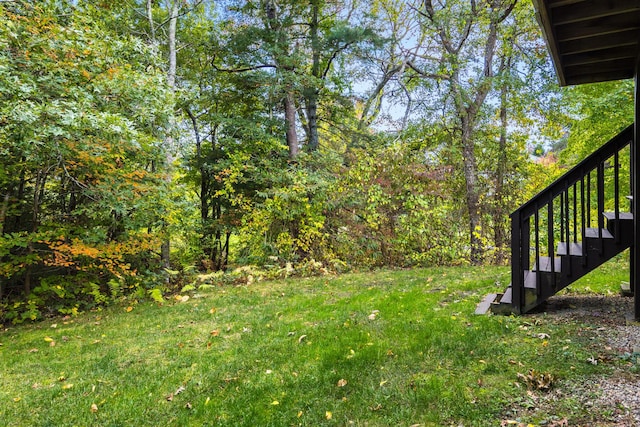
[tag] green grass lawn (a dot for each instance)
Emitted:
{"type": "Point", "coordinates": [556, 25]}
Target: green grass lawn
{"type": "Point", "coordinates": [376, 349]}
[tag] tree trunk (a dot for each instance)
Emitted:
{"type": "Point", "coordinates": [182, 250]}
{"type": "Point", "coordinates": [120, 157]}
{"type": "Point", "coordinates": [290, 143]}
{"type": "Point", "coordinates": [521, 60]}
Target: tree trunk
{"type": "Point", "coordinates": [290, 124]}
{"type": "Point", "coordinates": [152, 25]}
{"type": "Point", "coordinates": [311, 92]}
{"type": "Point", "coordinates": [499, 227]}
{"type": "Point", "coordinates": [171, 81]}
{"type": "Point", "coordinates": [472, 197]}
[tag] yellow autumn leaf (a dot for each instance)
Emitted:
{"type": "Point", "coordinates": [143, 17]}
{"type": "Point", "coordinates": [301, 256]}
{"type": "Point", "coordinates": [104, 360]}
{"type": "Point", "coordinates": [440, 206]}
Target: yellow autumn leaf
{"type": "Point", "coordinates": [48, 339]}
{"type": "Point", "coordinates": [342, 382]}
{"type": "Point", "coordinates": [67, 386]}
{"type": "Point", "coordinates": [213, 310]}
{"type": "Point", "coordinates": [328, 415]}
{"type": "Point", "coordinates": [94, 408]}
{"type": "Point", "coordinates": [129, 309]}
{"type": "Point", "coordinates": [299, 414]}
{"type": "Point", "coordinates": [275, 402]}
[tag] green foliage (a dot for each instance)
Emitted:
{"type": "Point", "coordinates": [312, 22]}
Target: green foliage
{"type": "Point", "coordinates": [596, 112]}
{"type": "Point", "coordinates": [82, 114]}
{"type": "Point", "coordinates": [393, 208]}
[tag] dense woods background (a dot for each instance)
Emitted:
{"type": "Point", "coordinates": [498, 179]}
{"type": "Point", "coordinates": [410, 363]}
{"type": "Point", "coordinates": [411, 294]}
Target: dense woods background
{"type": "Point", "coordinates": [144, 141]}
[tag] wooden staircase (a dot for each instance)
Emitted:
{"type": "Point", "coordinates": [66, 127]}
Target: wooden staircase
{"type": "Point", "coordinates": [570, 228]}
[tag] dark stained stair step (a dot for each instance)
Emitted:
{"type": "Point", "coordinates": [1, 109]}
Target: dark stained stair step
{"type": "Point", "coordinates": [624, 216]}
{"type": "Point", "coordinates": [545, 265]}
{"type": "Point", "coordinates": [485, 304]}
{"type": "Point", "coordinates": [574, 248]}
{"type": "Point", "coordinates": [592, 233]}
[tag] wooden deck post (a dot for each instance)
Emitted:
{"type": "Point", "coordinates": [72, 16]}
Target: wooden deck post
{"type": "Point", "coordinates": [635, 193]}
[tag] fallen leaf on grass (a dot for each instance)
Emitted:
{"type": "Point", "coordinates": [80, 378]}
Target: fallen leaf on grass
{"type": "Point", "coordinates": [302, 338]}
{"type": "Point", "coordinates": [48, 339]}
{"type": "Point", "coordinates": [328, 415]}
{"type": "Point", "coordinates": [67, 386]}
{"type": "Point", "coordinates": [215, 333]}
{"type": "Point", "coordinates": [342, 382]}
{"type": "Point", "coordinates": [275, 402]}
{"type": "Point", "coordinates": [33, 350]}
{"type": "Point", "coordinates": [213, 310]}
{"type": "Point", "coordinates": [537, 380]}
{"type": "Point", "coordinates": [188, 405]}
{"type": "Point", "coordinates": [94, 408]}
{"type": "Point", "coordinates": [128, 309]}
{"type": "Point", "coordinates": [16, 399]}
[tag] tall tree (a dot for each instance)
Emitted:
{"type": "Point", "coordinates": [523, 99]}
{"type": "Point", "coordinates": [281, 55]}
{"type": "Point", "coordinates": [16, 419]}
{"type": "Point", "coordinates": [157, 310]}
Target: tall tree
{"type": "Point", "coordinates": [455, 31]}
{"type": "Point", "coordinates": [300, 43]}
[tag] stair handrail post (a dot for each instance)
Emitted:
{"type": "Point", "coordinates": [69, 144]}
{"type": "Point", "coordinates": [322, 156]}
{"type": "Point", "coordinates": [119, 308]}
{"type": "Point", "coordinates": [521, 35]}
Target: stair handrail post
{"type": "Point", "coordinates": [519, 258]}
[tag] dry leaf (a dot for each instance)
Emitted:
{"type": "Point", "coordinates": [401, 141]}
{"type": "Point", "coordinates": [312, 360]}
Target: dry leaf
{"type": "Point", "coordinates": [215, 333]}
{"type": "Point", "coordinates": [170, 397]}
{"type": "Point", "coordinates": [537, 380]}
{"type": "Point", "coordinates": [275, 402]}
{"type": "Point", "coordinates": [94, 408]}
{"type": "Point", "coordinates": [213, 310]}
{"type": "Point", "coordinates": [128, 309]}
{"type": "Point", "coordinates": [299, 414]}
{"type": "Point", "coordinates": [52, 344]}
{"type": "Point", "coordinates": [67, 386]}
{"type": "Point", "coordinates": [48, 339]}
{"type": "Point", "coordinates": [179, 390]}
{"type": "Point", "coordinates": [328, 415]}
{"type": "Point", "coordinates": [342, 382]}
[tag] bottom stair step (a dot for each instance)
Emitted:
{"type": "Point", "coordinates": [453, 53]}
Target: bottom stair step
{"type": "Point", "coordinates": [506, 298]}
{"type": "Point", "coordinates": [485, 304]}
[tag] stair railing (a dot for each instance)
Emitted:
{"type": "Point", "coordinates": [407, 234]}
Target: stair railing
{"type": "Point", "coordinates": [565, 207]}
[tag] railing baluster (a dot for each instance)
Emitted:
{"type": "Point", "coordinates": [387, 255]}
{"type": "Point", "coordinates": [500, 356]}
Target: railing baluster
{"type": "Point", "coordinates": [601, 203]}
{"type": "Point", "coordinates": [583, 227]}
{"type": "Point", "coordinates": [566, 228]}
{"type": "Point", "coordinates": [537, 234]}
{"type": "Point", "coordinates": [561, 216]}
{"type": "Point", "coordinates": [550, 241]}
{"type": "Point", "coordinates": [588, 199]}
{"type": "Point", "coordinates": [616, 195]}
{"type": "Point", "coordinates": [575, 214]}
